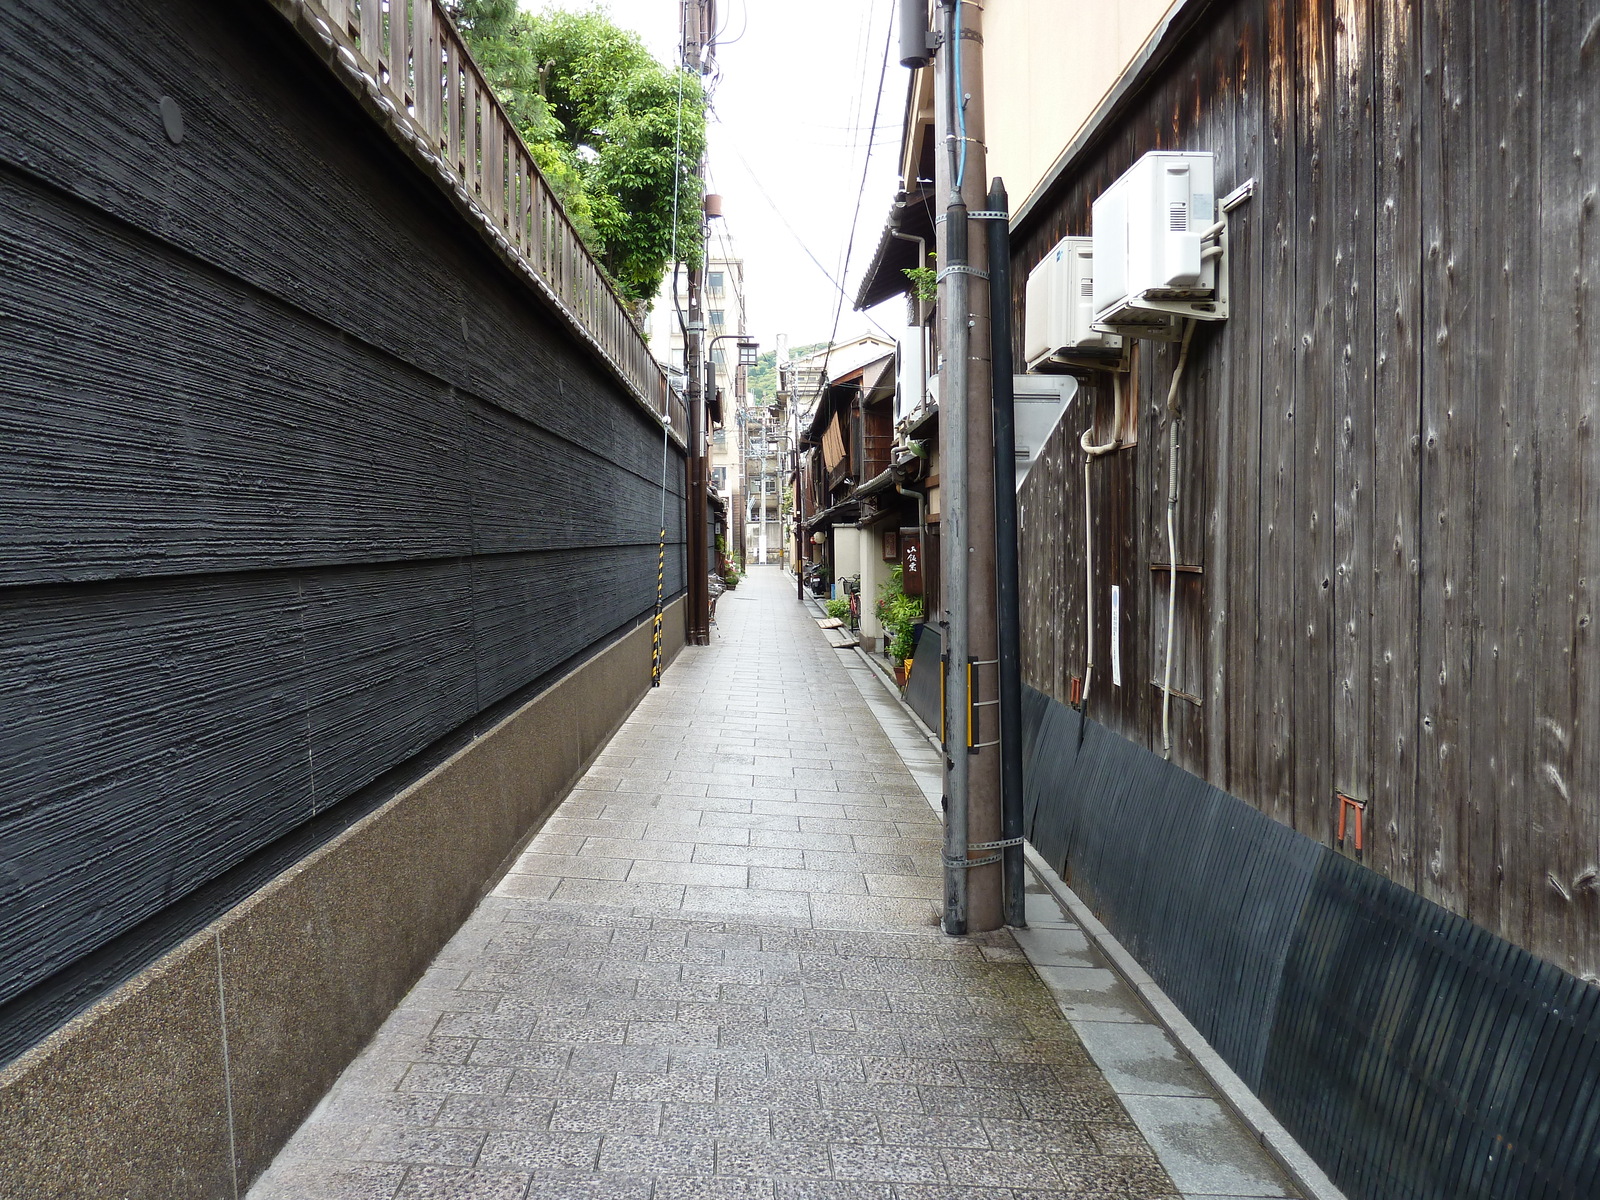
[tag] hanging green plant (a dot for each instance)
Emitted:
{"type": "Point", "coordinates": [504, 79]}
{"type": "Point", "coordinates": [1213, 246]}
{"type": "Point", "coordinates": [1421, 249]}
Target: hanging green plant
{"type": "Point", "coordinates": [924, 281]}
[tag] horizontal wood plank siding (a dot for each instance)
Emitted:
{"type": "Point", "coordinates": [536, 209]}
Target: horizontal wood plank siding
{"type": "Point", "coordinates": [302, 479]}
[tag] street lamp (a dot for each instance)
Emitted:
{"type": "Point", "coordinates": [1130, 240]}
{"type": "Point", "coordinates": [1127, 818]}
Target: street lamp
{"type": "Point", "coordinates": [748, 347]}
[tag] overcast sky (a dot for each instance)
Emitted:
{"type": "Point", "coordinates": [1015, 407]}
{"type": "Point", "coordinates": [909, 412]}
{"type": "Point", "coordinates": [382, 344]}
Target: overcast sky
{"type": "Point", "coordinates": [793, 114]}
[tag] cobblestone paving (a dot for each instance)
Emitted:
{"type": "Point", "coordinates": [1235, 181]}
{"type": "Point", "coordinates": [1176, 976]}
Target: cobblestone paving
{"type": "Point", "coordinates": [717, 973]}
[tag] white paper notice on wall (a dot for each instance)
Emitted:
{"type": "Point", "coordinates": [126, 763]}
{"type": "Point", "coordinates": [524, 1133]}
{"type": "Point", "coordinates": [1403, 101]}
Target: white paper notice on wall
{"type": "Point", "coordinates": [1116, 636]}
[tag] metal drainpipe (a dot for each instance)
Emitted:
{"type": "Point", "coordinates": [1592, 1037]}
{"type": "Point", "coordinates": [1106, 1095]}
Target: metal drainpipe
{"type": "Point", "coordinates": [922, 509]}
{"type": "Point", "coordinates": [1007, 607]}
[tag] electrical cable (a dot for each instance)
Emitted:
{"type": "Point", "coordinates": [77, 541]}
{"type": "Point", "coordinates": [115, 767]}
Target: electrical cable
{"type": "Point", "coordinates": [1172, 551]}
{"type": "Point", "coordinates": [958, 101]}
{"type": "Point", "coordinates": [862, 57]}
{"type": "Point", "coordinates": [1090, 453]}
{"type": "Point", "coordinates": [677, 188]}
{"type": "Point", "coordinates": [666, 418]}
{"type": "Point", "coordinates": [794, 233]}
{"type": "Point", "coordinates": [744, 12]}
{"type": "Point", "coordinates": [861, 192]}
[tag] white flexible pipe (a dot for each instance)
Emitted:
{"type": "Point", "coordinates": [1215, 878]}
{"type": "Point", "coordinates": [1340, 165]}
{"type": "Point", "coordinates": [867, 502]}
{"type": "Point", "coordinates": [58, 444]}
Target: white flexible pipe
{"type": "Point", "coordinates": [1090, 452]}
{"type": "Point", "coordinates": [1172, 547]}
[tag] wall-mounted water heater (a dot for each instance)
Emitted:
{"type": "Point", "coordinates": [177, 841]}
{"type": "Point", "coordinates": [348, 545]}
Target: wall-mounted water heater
{"type": "Point", "coordinates": [1058, 330]}
{"type": "Point", "coordinates": [1159, 250]}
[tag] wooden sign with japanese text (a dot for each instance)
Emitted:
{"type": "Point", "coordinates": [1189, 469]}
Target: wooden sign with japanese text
{"type": "Point", "coordinates": [911, 561]}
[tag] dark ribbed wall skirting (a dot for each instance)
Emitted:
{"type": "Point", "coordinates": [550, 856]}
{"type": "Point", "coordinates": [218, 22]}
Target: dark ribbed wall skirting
{"type": "Point", "coordinates": [1414, 1054]}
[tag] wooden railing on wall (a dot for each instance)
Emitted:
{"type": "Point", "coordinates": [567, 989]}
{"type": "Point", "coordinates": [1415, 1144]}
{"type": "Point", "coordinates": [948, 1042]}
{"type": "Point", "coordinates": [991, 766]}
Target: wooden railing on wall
{"type": "Point", "coordinates": [451, 105]}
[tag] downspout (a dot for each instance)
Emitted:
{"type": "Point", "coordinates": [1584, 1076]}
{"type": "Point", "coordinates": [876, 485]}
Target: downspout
{"type": "Point", "coordinates": [1008, 623]}
{"type": "Point", "coordinates": [922, 510]}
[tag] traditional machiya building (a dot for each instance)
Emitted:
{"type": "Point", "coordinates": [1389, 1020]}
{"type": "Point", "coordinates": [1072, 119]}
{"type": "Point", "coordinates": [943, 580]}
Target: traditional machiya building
{"type": "Point", "coordinates": [1306, 558]}
{"type": "Point", "coordinates": [849, 514]}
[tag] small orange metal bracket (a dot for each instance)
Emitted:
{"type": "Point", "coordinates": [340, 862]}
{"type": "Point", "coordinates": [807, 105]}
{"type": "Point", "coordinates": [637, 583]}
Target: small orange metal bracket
{"type": "Point", "coordinates": [1347, 806]}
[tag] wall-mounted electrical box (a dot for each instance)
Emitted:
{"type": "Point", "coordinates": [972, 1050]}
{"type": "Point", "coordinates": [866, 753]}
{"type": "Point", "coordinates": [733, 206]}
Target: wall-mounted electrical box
{"type": "Point", "coordinates": [1158, 251]}
{"type": "Point", "coordinates": [1038, 402]}
{"type": "Point", "coordinates": [1059, 327]}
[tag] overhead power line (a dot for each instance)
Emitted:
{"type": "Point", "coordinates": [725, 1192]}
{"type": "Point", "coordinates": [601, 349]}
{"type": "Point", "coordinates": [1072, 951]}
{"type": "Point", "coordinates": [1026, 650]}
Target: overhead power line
{"type": "Point", "coordinates": [799, 241]}
{"type": "Point", "coordinates": [861, 192]}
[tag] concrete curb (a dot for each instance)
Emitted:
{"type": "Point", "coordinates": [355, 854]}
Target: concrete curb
{"type": "Point", "coordinates": [1232, 1091]}
{"type": "Point", "coordinates": [1278, 1142]}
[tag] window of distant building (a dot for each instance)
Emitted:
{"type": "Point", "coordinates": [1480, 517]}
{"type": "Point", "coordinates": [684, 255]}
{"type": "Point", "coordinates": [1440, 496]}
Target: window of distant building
{"type": "Point", "coordinates": [714, 280]}
{"type": "Point", "coordinates": [717, 317]}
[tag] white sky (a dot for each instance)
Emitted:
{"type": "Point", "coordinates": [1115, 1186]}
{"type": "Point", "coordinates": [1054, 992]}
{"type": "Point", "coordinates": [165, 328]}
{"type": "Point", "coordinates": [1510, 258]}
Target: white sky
{"type": "Point", "coordinates": [792, 111]}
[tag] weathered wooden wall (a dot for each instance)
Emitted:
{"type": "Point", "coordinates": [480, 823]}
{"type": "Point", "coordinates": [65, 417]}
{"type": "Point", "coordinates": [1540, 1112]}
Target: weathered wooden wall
{"type": "Point", "coordinates": [299, 480]}
{"type": "Point", "coordinates": [1388, 459]}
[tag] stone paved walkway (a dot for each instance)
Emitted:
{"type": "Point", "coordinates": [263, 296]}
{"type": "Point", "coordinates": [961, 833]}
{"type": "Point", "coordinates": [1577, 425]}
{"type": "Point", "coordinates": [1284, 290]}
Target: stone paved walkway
{"type": "Point", "coordinates": [717, 972]}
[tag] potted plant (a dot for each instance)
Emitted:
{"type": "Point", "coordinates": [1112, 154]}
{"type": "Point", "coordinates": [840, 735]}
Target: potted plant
{"type": "Point", "coordinates": [900, 649]}
{"type": "Point", "coordinates": [899, 615]}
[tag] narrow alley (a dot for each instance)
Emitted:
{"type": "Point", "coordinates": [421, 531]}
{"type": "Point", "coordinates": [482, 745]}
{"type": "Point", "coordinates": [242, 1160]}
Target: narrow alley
{"type": "Point", "coordinates": [717, 972]}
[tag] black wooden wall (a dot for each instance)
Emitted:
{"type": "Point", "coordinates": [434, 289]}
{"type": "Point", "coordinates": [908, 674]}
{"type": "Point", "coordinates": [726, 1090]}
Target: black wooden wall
{"type": "Point", "coordinates": [1388, 459]}
{"type": "Point", "coordinates": [298, 481]}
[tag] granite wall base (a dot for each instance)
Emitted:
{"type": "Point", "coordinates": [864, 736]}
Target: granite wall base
{"type": "Point", "coordinates": [184, 1082]}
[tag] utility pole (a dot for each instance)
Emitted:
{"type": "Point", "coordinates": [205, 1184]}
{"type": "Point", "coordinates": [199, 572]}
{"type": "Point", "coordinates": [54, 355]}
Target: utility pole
{"type": "Point", "coordinates": [766, 446]}
{"type": "Point", "coordinates": [699, 52]}
{"type": "Point", "coordinates": [780, 443]}
{"type": "Point", "coordinates": [971, 718]}
{"type": "Point", "coordinates": [788, 396]}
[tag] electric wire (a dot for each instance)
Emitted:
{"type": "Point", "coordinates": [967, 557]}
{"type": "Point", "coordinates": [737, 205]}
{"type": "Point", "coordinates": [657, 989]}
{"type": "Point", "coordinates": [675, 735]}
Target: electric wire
{"type": "Point", "coordinates": [744, 28]}
{"type": "Point", "coordinates": [861, 191]}
{"type": "Point", "coordinates": [666, 417]}
{"type": "Point", "coordinates": [1173, 415]}
{"type": "Point", "coordinates": [861, 57]}
{"type": "Point", "coordinates": [799, 241]}
{"type": "Point", "coordinates": [959, 102]}
{"type": "Point", "coordinates": [1091, 451]}
{"type": "Point", "coordinates": [677, 189]}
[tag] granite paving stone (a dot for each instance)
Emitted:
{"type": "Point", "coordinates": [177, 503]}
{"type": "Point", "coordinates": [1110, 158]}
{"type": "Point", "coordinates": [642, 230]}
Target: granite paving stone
{"type": "Point", "coordinates": [716, 973]}
{"type": "Point", "coordinates": [450, 1183]}
{"type": "Point", "coordinates": [541, 1150]}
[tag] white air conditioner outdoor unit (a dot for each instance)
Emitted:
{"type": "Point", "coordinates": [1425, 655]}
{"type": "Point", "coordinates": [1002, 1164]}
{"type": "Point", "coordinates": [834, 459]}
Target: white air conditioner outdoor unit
{"type": "Point", "coordinates": [1158, 255]}
{"type": "Point", "coordinates": [910, 387]}
{"type": "Point", "coordinates": [1038, 402]}
{"type": "Point", "coordinates": [1059, 326]}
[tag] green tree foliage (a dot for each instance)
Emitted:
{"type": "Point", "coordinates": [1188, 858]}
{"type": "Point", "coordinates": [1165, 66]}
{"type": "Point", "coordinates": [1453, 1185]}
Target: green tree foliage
{"type": "Point", "coordinates": [603, 119]}
{"type": "Point", "coordinates": [761, 380]}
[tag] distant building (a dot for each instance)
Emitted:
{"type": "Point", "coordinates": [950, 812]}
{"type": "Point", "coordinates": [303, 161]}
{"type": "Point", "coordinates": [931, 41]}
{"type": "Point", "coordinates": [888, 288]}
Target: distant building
{"type": "Point", "coordinates": [725, 315]}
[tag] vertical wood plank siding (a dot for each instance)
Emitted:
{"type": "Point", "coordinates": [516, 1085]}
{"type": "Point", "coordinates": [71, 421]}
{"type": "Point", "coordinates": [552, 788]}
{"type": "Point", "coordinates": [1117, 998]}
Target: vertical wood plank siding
{"type": "Point", "coordinates": [1388, 462]}
{"type": "Point", "coordinates": [411, 52]}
